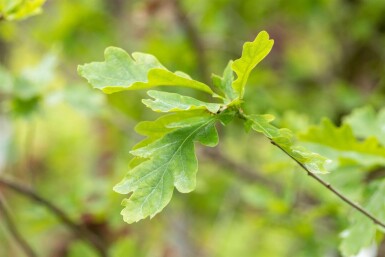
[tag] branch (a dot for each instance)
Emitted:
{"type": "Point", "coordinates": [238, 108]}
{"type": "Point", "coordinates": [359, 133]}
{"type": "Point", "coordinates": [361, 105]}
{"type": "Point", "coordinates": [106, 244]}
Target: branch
{"type": "Point", "coordinates": [194, 38]}
{"type": "Point", "coordinates": [79, 230]}
{"type": "Point", "coordinates": [332, 189]}
{"type": "Point", "coordinates": [243, 171]}
{"type": "Point", "coordinates": [15, 232]}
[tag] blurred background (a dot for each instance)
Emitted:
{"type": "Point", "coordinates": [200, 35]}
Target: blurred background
{"type": "Point", "coordinates": [69, 143]}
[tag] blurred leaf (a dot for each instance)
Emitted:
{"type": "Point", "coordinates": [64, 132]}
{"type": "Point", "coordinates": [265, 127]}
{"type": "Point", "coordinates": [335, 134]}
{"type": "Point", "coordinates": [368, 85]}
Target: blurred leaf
{"type": "Point", "coordinates": [81, 249]}
{"type": "Point", "coordinates": [25, 107]}
{"type": "Point", "coordinates": [252, 54]}
{"type": "Point", "coordinates": [26, 90]}
{"type": "Point", "coordinates": [362, 231]}
{"type": "Point", "coordinates": [339, 143]}
{"type": "Point", "coordinates": [365, 122]}
{"type": "Point", "coordinates": [43, 73]}
{"type": "Point", "coordinates": [34, 81]}
{"type": "Point", "coordinates": [125, 247]}
{"type": "Point", "coordinates": [19, 9]}
{"type": "Point", "coordinates": [6, 81]}
{"type": "Point", "coordinates": [120, 72]}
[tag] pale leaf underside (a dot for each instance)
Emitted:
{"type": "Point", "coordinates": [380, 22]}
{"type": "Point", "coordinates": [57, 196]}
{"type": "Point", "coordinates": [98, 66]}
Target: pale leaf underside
{"type": "Point", "coordinates": [172, 102]}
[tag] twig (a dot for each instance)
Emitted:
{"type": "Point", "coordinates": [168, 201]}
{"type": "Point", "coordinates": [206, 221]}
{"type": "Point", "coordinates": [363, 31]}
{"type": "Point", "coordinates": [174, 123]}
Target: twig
{"type": "Point", "coordinates": [332, 189]}
{"type": "Point", "coordinates": [79, 230]}
{"type": "Point", "coordinates": [15, 232]}
{"type": "Point", "coordinates": [194, 38]}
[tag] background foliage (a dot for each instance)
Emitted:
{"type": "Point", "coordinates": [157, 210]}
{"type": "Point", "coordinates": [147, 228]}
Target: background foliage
{"type": "Point", "coordinates": [71, 143]}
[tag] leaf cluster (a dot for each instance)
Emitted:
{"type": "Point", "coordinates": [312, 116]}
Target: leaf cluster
{"type": "Point", "coordinates": [166, 157]}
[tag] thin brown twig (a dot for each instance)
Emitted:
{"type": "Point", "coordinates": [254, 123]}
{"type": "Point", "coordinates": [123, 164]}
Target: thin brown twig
{"type": "Point", "coordinates": [77, 229]}
{"type": "Point", "coordinates": [194, 38]}
{"type": "Point", "coordinates": [332, 189]}
{"type": "Point", "coordinates": [11, 226]}
{"type": "Point", "coordinates": [360, 209]}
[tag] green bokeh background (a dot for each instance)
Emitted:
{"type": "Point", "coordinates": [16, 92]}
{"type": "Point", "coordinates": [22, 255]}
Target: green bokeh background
{"type": "Point", "coordinates": [71, 143]}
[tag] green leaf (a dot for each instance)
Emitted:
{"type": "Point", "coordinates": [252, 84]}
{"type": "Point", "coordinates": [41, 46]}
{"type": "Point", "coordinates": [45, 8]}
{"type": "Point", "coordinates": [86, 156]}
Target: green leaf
{"type": "Point", "coordinates": [285, 139]}
{"type": "Point", "coordinates": [121, 72]}
{"type": "Point", "coordinates": [154, 130]}
{"type": "Point", "coordinates": [20, 9]}
{"type": "Point", "coordinates": [362, 231]}
{"type": "Point", "coordinates": [339, 143]}
{"type": "Point", "coordinates": [252, 54]}
{"type": "Point", "coordinates": [224, 83]}
{"type": "Point", "coordinates": [261, 123]}
{"type": "Point", "coordinates": [171, 162]}
{"type": "Point", "coordinates": [172, 102]}
{"type": "Point", "coordinates": [365, 122]}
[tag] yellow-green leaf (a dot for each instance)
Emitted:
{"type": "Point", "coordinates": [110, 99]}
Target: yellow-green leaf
{"type": "Point", "coordinates": [19, 9]}
{"type": "Point", "coordinates": [252, 54]}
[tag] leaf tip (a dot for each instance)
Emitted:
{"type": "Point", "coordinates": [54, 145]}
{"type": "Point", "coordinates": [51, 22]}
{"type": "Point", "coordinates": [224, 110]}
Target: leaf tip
{"type": "Point", "coordinates": [111, 49]}
{"type": "Point", "coordinates": [80, 69]}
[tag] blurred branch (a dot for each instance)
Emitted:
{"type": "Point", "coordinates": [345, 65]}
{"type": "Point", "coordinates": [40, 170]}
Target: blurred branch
{"type": "Point", "coordinates": [15, 232]}
{"type": "Point", "coordinates": [78, 230]}
{"type": "Point", "coordinates": [375, 174]}
{"type": "Point", "coordinates": [29, 142]}
{"type": "Point", "coordinates": [243, 171]}
{"type": "Point", "coordinates": [194, 38]}
{"type": "Point", "coordinates": [331, 188]}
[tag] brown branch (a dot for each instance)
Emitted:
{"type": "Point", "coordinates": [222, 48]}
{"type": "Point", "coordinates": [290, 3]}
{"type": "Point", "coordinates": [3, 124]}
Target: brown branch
{"type": "Point", "coordinates": [194, 39]}
{"type": "Point", "coordinates": [332, 189]}
{"type": "Point", "coordinates": [15, 232]}
{"type": "Point", "coordinates": [78, 230]}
